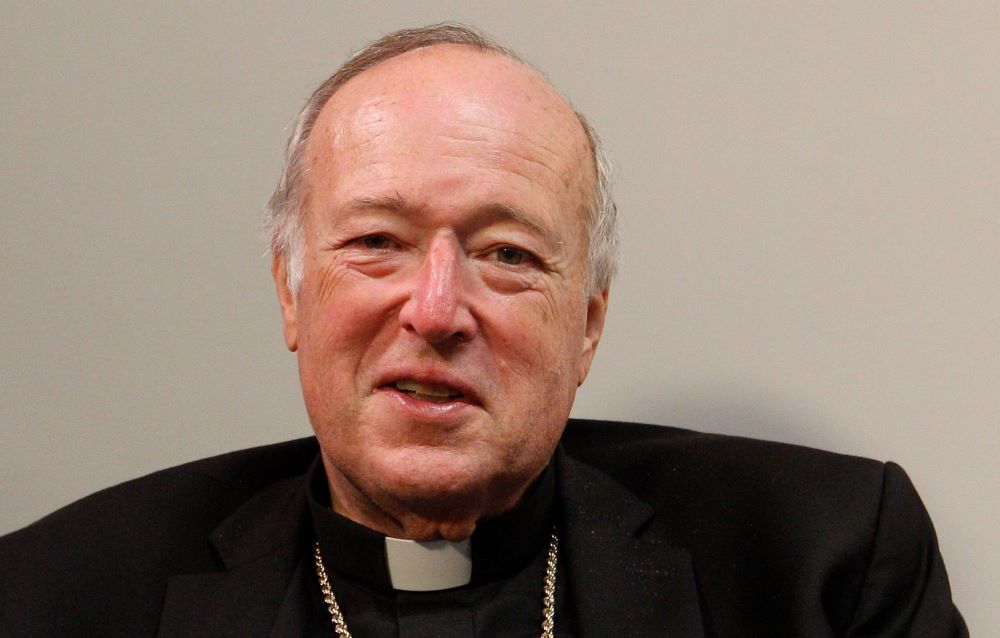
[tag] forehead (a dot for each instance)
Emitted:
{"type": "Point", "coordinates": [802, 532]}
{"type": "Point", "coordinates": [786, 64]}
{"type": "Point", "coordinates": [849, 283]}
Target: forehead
{"type": "Point", "coordinates": [450, 105]}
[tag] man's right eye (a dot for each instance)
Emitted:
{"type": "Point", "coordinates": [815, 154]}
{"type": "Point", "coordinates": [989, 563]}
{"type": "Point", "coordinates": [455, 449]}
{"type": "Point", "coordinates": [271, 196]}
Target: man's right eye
{"type": "Point", "coordinates": [375, 242]}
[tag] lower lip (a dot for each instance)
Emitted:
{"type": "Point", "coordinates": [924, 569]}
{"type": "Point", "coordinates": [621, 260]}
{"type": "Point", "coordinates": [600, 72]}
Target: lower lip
{"type": "Point", "coordinates": [426, 409]}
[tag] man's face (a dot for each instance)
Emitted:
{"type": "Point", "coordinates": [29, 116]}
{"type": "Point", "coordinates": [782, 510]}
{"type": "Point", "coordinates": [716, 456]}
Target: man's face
{"type": "Point", "coordinates": [442, 325]}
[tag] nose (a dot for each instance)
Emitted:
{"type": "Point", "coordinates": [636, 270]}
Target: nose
{"type": "Point", "coordinates": [437, 309]}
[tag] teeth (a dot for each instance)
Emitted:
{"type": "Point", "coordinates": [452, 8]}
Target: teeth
{"type": "Point", "coordinates": [438, 393]}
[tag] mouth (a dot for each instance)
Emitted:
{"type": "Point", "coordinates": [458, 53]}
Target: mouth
{"type": "Point", "coordinates": [434, 393]}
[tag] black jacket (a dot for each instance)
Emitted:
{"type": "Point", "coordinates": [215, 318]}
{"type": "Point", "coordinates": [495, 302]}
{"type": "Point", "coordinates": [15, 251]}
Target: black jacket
{"type": "Point", "coordinates": [665, 532]}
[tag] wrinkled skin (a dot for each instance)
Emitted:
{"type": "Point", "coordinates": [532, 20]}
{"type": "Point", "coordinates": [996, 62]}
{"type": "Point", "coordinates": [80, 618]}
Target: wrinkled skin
{"type": "Point", "coordinates": [443, 322]}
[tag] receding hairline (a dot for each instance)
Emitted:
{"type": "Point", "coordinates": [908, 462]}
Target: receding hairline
{"type": "Point", "coordinates": [574, 120]}
{"type": "Point", "coordinates": [537, 77]}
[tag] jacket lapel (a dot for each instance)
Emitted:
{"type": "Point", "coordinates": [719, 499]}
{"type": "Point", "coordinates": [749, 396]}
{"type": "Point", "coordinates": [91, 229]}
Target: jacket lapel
{"type": "Point", "coordinates": [624, 582]}
{"type": "Point", "coordinates": [260, 546]}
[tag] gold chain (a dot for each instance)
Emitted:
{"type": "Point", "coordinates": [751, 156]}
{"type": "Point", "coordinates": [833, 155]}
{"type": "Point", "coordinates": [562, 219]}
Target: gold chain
{"type": "Point", "coordinates": [548, 599]}
{"type": "Point", "coordinates": [549, 595]}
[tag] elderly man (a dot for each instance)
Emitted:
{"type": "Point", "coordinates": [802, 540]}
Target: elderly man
{"type": "Point", "coordinates": [443, 242]}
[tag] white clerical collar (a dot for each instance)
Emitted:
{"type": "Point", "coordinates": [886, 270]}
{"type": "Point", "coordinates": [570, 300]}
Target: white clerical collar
{"type": "Point", "coordinates": [427, 566]}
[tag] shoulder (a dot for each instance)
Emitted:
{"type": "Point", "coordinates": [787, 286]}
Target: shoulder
{"type": "Point", "coordinates": [627, 450]}
{"type": "Point", "coordinates": [197, 492]}
{"type": "Point", "coordinates": [775, 523]}
{"type": "Point", "coordinates": [713, 492]}
{"type": "Point", "coordinates": [717, 480]}
{"type": "Point", "coordinates": [123, 542]}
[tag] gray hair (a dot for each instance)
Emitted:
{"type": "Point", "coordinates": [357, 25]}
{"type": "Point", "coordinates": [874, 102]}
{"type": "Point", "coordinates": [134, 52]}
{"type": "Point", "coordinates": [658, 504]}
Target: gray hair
{"type": "Point", "coordinates": [283, 222]}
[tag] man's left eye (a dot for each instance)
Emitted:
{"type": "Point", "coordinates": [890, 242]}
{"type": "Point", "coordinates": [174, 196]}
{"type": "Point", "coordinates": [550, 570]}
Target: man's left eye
{"type": "Point", "coordinates": [511, 256]}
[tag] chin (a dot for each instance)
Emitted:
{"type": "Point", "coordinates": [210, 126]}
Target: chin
{"type": "Point", "coordinates": [447, 483]}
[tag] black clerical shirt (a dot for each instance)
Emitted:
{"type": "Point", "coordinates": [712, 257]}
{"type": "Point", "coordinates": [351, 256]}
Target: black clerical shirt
{"type": "Point", "coordinates": [504, 597]}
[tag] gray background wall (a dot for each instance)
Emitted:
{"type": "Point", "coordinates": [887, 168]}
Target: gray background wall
{"type": "Point", "coordinates": [809, 191]}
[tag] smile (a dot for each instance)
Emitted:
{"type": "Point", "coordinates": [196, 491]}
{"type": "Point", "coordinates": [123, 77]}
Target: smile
{"type": "Point", "coordinates": [427, 392]}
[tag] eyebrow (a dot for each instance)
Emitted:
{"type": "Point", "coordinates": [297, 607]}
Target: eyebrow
{"type": "Point", "coordinates": [484, 214]}
{"type": "Point", "coordinates": [500, 212]}
{"type": "Point", "coordinates": [391, 203]}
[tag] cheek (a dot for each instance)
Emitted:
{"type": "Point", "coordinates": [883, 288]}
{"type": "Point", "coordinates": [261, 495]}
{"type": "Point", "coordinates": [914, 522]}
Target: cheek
{"type": "Point", "coordinates": [537, 344]}
{"type": "Point", "coordinates": [341, 309]}
{"type": "Point", "coordinates": [341, 328]}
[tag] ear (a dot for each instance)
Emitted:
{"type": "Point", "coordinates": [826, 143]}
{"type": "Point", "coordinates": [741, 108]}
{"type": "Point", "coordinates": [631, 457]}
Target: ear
{"type": "Point", "coordinates": [287, 300]}
{"type": "Point", "coordinates": [597, 308]}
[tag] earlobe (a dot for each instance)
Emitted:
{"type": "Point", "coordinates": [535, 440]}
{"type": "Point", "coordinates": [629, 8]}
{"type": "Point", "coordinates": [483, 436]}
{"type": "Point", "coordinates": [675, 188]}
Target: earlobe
{"type": "Point", "coordinates": [597, 308]}
{"type": "Point", "coordinates": [287, 301]}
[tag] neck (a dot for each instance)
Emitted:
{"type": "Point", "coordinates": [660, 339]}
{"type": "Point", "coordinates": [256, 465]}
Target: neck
{"type": "Point", "coordinates": [452, 517]}
{"type": "Point", "coordinates": [500, 547]}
